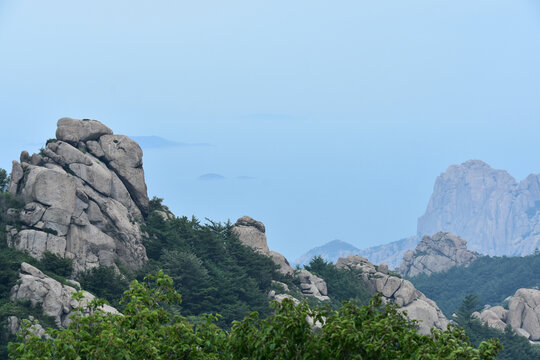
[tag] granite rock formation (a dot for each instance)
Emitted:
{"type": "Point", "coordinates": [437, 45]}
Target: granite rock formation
{"type": "Point", "coordinates": [252, 233]}
{"type": "Point", "coordinates": [399, 291]}
{"type": "Point", "coordinates": [437, 253]}
{"type": "Point", "coordinates": [523, 314]}
{"type": "Point", "coordinates": [498, 215]}
{"type": "Point", "coordinates": [54, 298]}
{"type": "Point", "coordinates": [84, 196]}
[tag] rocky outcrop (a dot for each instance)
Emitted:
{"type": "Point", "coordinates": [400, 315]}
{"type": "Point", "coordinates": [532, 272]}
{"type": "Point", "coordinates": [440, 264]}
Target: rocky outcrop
{"type": "Point", "coordinates": [437, 253]}
{"type": "Point", "coordinates": [498, 215]}
{"type": "Point", "coordinates": [252, 233]}
{"type": "Point", "coordinates": [84, 197]}
{"type": "Point", "coordinates": [399, 291]}
{"type": "Point", "coordinates": [54, 298]}
{"type": "Point", "coordinates": [523, 314]}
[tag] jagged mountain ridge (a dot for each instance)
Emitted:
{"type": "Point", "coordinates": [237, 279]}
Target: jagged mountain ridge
{"type": "Point", "coordinates": [487, 207]}
{"type": "Point", "coordinates": [496, 214]}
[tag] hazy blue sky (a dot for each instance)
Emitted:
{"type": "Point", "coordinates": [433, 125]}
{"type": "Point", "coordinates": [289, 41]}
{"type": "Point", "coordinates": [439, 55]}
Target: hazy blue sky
{"type": "Point", "coordinates": [323, 119]}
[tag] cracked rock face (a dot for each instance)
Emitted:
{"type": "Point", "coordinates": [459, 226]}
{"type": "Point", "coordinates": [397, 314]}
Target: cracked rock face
{"type": "Point", "coordinates": [82, 201]}
{"type": "Point", "coordinates": [397, 290]}
{"type": "Point", "coordinates": [54, 298]}
{"type": "Point", "coordinates": [497, 214]}
{"type": "Point", "coordinates": [438, 253]}
{"type": "Point", "coordinates": [252, 233]}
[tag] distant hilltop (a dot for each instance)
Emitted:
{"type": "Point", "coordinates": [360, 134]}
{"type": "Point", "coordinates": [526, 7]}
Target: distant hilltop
{"type": "Point", "coordinates": [330, 251]}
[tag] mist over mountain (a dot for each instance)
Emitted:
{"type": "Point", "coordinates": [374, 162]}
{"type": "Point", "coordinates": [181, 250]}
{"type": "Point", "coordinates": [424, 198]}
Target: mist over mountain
{"type": "Point", "coordinates": [330, 251]}
{"type": "Point", "coordinates": [487, 207]}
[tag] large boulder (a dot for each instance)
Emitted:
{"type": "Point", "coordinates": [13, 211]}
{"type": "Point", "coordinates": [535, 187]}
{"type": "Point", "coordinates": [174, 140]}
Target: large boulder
{"type": "Point", "coordinates": [523, 314]}
{"type": "Point", "coordinates": [75, 131]}
{"type": "Point", "coordinates": [124, 156]}
{"type": "Point", "coordinates": [399, 291]}
{"type": "Point", "coordinates": [80, 201]}
{"type": "Point", "coordinates": [437, 253]}
{"type": "Point", "coordinates": [55, 299]}
{"type": "Point", "coordinates": [251, 233]}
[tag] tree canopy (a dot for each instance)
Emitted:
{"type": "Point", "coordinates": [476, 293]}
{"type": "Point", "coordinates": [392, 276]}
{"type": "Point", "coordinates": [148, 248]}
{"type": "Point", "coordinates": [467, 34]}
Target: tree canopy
{"type": "Point", "coordinates": [149, 330]}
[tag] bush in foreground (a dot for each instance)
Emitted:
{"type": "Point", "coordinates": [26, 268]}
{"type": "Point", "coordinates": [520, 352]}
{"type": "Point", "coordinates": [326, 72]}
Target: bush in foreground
{"type": "Point", "coordinates": [147, 330]}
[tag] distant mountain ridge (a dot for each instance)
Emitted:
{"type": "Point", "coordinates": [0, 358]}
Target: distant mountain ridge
{"type": "Point", "coordinates": [330, 251]}
{"type": "Point", "coordinates": [487, 207]}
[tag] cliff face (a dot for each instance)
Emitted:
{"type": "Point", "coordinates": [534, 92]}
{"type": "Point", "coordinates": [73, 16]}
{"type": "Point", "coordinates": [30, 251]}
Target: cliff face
{"type": "Point", "coordinates": [437, 253]}
{"type": "Point", "coordinates": [498, 215]}
{"type": "Point", "coordinates": [84, 196]}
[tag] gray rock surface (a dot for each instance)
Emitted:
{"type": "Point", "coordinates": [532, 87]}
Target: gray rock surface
{"type": "Point", "coordinates": [252, 233]}
{"type": "Point", "coordinates": [54, 298]}
{"type": "Point", "coordinates": [124, 156]}
{"type": "Point", "coordinates": [79, 205]}
{"type": "Point", "coordinates": [74, 131]}
{"type": "Point", "coordinates": [14, 326]}
{"type": "Point", "coordinates": [400, 291]}
{"type": "Point", "coordinates": [498, 215]}
{"type": "Point", "coordinates": [523, 314]}
{"type": "Point", "coordinates": [437, 253]}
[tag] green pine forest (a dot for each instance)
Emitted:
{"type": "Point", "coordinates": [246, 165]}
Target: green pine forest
{"type": "Point", "coordinates": [215, 274]}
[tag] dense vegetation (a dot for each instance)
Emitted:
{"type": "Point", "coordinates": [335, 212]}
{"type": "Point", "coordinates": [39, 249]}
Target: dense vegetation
{"type": "Point", "coordinates": [342, 284]}
{"type": "Point", "coordinates": [217, 274]}
{"type": "Point", "coordinates": [149, 331]}
{"type": "Point", "coordinates": [211, 268]}
{"type": "Point", "coordinates": [493, 279]}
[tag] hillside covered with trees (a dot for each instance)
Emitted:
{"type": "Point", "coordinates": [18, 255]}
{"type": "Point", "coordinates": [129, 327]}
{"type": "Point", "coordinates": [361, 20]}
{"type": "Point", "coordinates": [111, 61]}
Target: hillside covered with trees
{"type": "Point", "coordinates": [492, 279]}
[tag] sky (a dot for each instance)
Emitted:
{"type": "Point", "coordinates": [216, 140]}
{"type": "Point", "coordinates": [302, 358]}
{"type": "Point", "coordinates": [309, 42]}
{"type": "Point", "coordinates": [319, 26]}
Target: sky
{"type": "Point", "coordinates": [322, 119]}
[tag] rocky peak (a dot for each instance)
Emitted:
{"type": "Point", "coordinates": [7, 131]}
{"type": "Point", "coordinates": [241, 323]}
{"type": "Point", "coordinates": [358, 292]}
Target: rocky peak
{"type": "Point", "coordinates": [84, 196]}
{"type": "Point", "coordinates": [487, 206]}
{"type": "Point", "coordinates": [399, 291]}
{"type": "Point", "coordinates": [438, 253]}
{"type": "Point", "coordinates": [251, 233]}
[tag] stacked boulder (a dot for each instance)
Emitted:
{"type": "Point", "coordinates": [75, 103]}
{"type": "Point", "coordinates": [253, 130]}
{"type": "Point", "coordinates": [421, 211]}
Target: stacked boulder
{"type": "Point", "coordinates": [399, 291]}
{"type": "Point", "coordinates": [54, 298]}
{"type": "Point", "coordinates": [84, 196]}
{"type": "Point", "coordinates": [523, 314]}
{"type": "Point", "coordinates": [437, 253]}
{"type": "Point", "coordinates": [252, 233]}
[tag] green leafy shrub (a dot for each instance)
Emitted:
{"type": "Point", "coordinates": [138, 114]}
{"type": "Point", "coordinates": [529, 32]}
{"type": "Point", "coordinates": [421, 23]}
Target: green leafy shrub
{"type": "Point", "coordinates": [56, 264]}
{"type": "Point", "coordinates": [147, 330]}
